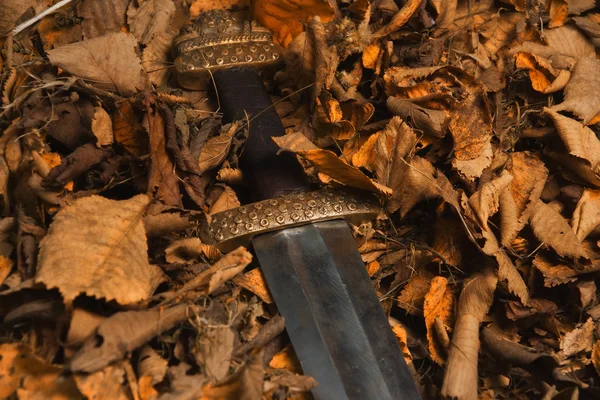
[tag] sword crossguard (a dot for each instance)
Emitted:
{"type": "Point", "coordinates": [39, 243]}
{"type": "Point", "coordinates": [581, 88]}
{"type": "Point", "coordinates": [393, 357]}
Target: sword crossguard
{"type": "Point", "coordinates": [230, 229]}
{"type": "Point", "coordinates": [221, 39]}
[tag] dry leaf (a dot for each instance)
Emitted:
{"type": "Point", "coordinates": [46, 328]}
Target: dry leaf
{"type": "Point", "coordinates": [213, 351]}
{"type": "Point", "coordinates": [578, 340]}
{"type": "Point", "coordinates": [596, 356]}
{"type": "Point", "coordinates": [226, 201]}
{"type": "Point", "coordinates": [102, 18]}
{"type": "Point", "coordinates": [109, 62]}
{"type": "Point", "coordinates": [9, 380]}
{"type": "Point", "coordinates": [102, 127]}
{"type": "Point", "coordinates": [412, 297]}
{"type": "Point", "coordinates": [190, 250]}
{"type": "Point", "coordinates": [286, 359]}
{"type": "Point", "coordinates": [439, 303]}
{"type": "Point", "coordinates": [586, 216]}
{"type": "Point", "coordinates": [83, 325]}
{"type": "Point", "coordinates": [155, 57]}
{"type": "Point", "coordinates": [12, 10]}
{"type": "Point", "coordinates": [550, 227]}
{"type": "Point", "coordinates": [107, 384]}
{"type": "Point", "coordinates": [366, 156]}
{"type": "Point", "coordinates": [124, 332]}
{"type": "Point", "coordinates": [544, 78]}
{"type": "Point", "coordinates": [255, 283]}
{"type": "Point", "coordinates": [431, 122]}
{"type": "Point", "coordinates": [99, 253]}
{"type": "Point", "coordinates": [128, 131]}
{"type": "Point", "coordinates": [485, 201]}
{"type": "Point", "coordinates": [287, 19]}
{"type": "Point", "coordinates": [460, 378]}
{"type": "Point", "coordinates": [152, 365]}
{"type": "Point", "coordinates": [582, 95]}
{"type": "Point", "coordinates": [150, 18]}
{"type": "Point", "coordinates": [245, 384]}
{"type": "Point", "coordinates": [217, 148]}
{"type": "Point", "coordinates": [517, 200]}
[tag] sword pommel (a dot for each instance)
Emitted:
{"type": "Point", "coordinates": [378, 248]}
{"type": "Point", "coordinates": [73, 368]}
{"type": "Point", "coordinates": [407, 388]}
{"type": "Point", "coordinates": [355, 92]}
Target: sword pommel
{"type": "Point", "coordinates": [221, 39]}
{"type": "Point", "coordinates": [236, 227]}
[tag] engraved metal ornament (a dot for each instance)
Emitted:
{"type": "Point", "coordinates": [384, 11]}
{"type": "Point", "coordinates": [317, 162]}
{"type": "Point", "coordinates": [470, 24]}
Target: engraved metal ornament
{"type": "Point", "coordinates": [236, 227]}
{"type": "Point", "coordinates": [221, 39]}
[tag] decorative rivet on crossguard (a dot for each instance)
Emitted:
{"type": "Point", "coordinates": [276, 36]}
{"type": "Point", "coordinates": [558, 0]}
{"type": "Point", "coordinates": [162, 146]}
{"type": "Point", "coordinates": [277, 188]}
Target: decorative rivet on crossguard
{"type": "Point", "coordinates": [232, 228]}
{"type": "Point", "coordinates": [221, 39]}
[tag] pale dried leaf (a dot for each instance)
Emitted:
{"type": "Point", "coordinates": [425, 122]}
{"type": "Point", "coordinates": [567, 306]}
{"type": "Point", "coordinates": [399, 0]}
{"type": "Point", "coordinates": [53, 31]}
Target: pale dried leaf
{"type": "Point", "coordinates": [214, 351]}
{"type": "Point", "coordinates": [582, 94]}
{"type": "Point", "coordinates": [187, 251]}
{"type": "Point", "coordinates": [83, 325]}
{"type": "Point", "coordinates": [578, 340]}
{"type": "Point", "coordinates": [217, 148]}
{"type": "Point", "coordinates": [102, 127]}
{"type": "Point", "coordinates": [12, 10]}
{"type": "Point", "coordinates": [460, 378]}
{"type": "Point", "coordinates": [100, 18]}
{"type": "Point", "coordinates": [152, 365]}
{"type": "Point", "coordinates": [553, 229]}
{"type": "Point", "coordinates": [99, 253]}
{"type": "Point", "coordinates": [150, 18]}
{"type": "Point", "coordinates": [295, 142]}
{"type": "Point", "coordinates": [586, 216]}
{"type": "Point", "coordinates": [124, 332]}
{"type": "Point", "coordinates": [155, 57]}
{"type": "Point", "coordinates": [109, 62]}
{"type": "Point", "coordinates": [485, 201]}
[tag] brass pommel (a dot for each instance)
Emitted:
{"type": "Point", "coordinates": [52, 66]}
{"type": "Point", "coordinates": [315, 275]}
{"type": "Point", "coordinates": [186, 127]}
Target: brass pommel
{"type": "Point", "coordinates": [222, 39]}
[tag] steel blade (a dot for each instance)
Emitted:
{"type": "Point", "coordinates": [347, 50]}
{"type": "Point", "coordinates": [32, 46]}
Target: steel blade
{"type": "Point", "coordinates": [332, 314]}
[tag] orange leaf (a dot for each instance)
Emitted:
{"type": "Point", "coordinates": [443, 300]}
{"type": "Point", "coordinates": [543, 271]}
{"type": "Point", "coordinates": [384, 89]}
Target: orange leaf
{"type": "Point", "coordinates": [287, 18]}
{"type": "Point", "coordinates": [286, 359]}
{"type": "Point", "coordinates": [439, 303]}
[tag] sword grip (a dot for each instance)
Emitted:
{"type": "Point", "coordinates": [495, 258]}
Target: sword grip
{"type": "Point", "coordinates": [241, 95]}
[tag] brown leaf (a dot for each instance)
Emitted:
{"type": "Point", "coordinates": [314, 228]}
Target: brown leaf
{"type": "Point", "coordinates": [287, 19]}
{"type": "Point", "coordinates": [485, 201]}
{"type": "Point", "coordinates": [106, 384]}
{"type": "Point", "coordinates": [102, 127]}
{"type": "Point", "coordinates": [439, 303]}
{"type": "Point", "coordinates": [190, 250]}
{"type": "Point", "coordinates": [152, 365]}
{"type": "Point", "coordinates": [517, 200]}
{"type": "Point", "coordinates": [590, 24]}
{"type": "Point", "coordinates": [99, 253]}
{"type": "Point", "coordinates": [217, 148]}
{"type": "Point", "coordinates": [544, 78]}
{"type": "Point", "coordinates": [109, 62]}
{"type": "Point", "coordinates": [550, 227]}
{"type": "Point", "coordinates": [150, 18]}
{"type": "Point", "coordinates": [214, 351]}
{"type": "Point", "coordinates": [255, 283]}
{"type": "Point", "coordinates": [586, 216]}
{"type": "Point", "coordinates": [124, 332]}
{"type": "Point", "coordinates": [83, 325]}
{"type": "Point", "coordinates": [366, 157]}
{"type": "Point", "coordinates": [431, 122]}
{"type": "Point", "coordinates": [226, 201]}
{"type": "Point", "coordinates": [286, 359]}
{"type": "Point", "coordinates": [245, 384]}
{"type": "Point", "coordinates": [393, 148]}
{"type": "Point", "coordinates": [155, 57]}
{"type": "Point", "coordinates": [412, 296]}
{"type": "Point", "coordinates": [596, 356]}
{"type": "Point", "coordinates": [554, 274]}
{"type": "Point", "coordinates": [578, 340]}
{"type": "Point", "coordinates": [460, 378]}
{"type": "Point", "coordinates": [100, 19]}
{"type": "Point", "coordinates": [582, 94]}
{"type": "Point", "coordinates": [162, 181]}
{"type": "Point", "coordinates": [128, 131]}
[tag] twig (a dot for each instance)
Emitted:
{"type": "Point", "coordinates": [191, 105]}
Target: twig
{"type": "Point", "coordinates": [41, 15]}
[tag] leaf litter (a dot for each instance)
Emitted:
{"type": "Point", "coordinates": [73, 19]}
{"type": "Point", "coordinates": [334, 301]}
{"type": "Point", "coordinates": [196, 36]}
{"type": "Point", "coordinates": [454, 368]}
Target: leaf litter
{"type": "Point", "coordinates": [475, 123]}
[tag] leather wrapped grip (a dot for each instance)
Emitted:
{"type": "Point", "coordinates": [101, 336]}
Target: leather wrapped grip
{"type": "Point", "coordinates": [241, 91]}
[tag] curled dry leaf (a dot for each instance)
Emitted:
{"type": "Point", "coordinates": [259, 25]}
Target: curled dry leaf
{"type": "Point", "coordinates": [102, 127]}
{"type": "Point", "coordinates": [582, 94]}
{"type": "Point", "coordinates": [254, 282]}
{"type": "Point", "coordinates": [485, 201]}
{"type": "Point", "coordinates": [586, 216]}
{"type": "Point", "coordinates": [517, 200]}
{"type": "Point", "coordinates": [553, 229]}
{"type": "Point", "coordinates": [328, 163]}
{"type": "Point", "coordinates": [152, 365]}
{"type": "Point", "coordinates": [124, 332]}
{"type": "Point", "coordinates": [431, 122]}
{"type": "Point", "coordinates": [190, 250]}
{"type": "Point", "coordinates": [98, 247]}
{"type": "Point", "coordinates": [544, 78]}
{"type": "Point", "coordinates": [287, 19]}
{"type": "Point", "coordinates": [438, 305]}
{"type": "Point", "coordinates": [109, 62]}
{"type": "Point", "coordinates": [217, 148]}
{"type": "Point", "coordinates": [286, 359]}
{"type": "Point", "coordinates": [460, 377]}
{"type": "Point", "coordinates": [245, 384]}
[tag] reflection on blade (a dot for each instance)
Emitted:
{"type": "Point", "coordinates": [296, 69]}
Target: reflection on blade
{"type": "Point", "coordinates": [332, 314]}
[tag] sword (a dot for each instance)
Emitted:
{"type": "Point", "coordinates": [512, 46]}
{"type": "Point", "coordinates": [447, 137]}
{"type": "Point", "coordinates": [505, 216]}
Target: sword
{"type": "Point", "coordinates": [300, 236]}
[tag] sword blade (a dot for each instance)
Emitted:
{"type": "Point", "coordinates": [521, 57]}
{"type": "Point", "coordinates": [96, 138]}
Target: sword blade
{"type": "Point", "coordinates": [332, 314]}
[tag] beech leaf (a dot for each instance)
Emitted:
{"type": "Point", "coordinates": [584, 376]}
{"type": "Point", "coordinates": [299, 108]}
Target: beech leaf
{"type": "Point", "coordinates": [217, 148]}
{"type": "Point", "coordinates": [98, 247]}
{"type": "Point", "coordinates": [109, 62]}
